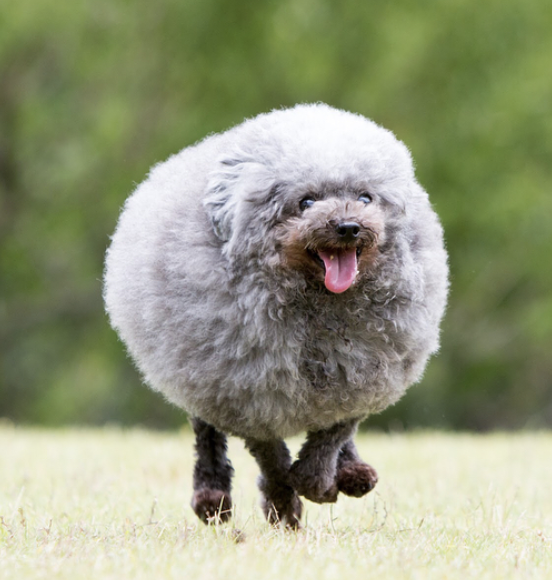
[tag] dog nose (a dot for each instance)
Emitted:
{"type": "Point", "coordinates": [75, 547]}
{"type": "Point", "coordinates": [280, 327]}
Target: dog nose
{"type": "Point", "coordinates": [347, 231]}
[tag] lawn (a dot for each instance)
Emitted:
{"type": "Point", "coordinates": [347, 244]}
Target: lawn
{"type": "Point", "coordinates": [109, 503]}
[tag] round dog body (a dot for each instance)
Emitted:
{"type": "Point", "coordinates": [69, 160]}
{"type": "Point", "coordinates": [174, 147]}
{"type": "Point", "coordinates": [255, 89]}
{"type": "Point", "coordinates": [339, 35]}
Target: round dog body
{"type": "Point", "coordinates": [282, 276]}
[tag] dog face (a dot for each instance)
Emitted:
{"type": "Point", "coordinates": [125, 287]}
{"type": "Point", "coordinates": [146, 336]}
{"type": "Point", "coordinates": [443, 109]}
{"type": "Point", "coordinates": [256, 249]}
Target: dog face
{"type": "Point", "coordinates": [314, 190]}
{"type": "Point", "coordinates": [334, 239]}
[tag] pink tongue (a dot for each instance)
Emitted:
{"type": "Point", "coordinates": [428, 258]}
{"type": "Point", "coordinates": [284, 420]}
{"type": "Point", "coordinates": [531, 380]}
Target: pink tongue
{"type": "Point", "coordinates": [341, 269]}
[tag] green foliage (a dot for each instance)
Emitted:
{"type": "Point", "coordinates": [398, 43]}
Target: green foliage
{"type": "Point", "coordinates": [93, 93]}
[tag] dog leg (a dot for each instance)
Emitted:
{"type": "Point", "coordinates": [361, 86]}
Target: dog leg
{"type": "Point", "coordinates": [314, 474]}
{"type": "Point", "coordinates": [280, 502]}
{"type": "Point", "coordinates": [212, 475]}
{"type": "Point", "coordinates": [354, 477]}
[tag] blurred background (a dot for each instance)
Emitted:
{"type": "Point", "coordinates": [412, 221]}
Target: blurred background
{"type": "Point", "coordinates": [92, 93]}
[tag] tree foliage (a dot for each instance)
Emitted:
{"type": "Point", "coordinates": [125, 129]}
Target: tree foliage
{"type": "Point", "coordinates": [93, 93]}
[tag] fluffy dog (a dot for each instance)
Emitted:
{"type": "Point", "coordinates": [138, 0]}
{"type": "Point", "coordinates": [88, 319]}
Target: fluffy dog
{"type": "Point", "coordinates": [287, 275]}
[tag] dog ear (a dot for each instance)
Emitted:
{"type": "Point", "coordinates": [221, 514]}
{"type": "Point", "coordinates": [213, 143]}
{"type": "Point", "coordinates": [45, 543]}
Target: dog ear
{"type": "Point", "coordinates": [394, 196]}
{"type": "Point", "coordinates": [402, 194]}
{"type": "Point", "coordinates": [237, 180]}
{"type": "Point", "coordinates": [220, 201]}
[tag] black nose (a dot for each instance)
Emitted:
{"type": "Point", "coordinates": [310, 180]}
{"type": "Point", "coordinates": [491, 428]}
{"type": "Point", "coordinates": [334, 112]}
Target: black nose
{"type": "Point", "coordinates": [347, 231]}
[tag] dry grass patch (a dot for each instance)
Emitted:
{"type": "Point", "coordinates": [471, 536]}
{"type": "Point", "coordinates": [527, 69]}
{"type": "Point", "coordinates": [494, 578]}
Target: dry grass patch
{"type": "Point", "coordinates": [79, 504]}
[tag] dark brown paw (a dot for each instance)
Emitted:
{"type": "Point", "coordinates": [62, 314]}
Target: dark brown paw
{"type": "Point", "coordinates": [312, 484]}
{"type": "Point", "coordinates": [281, 504]}
{"type": "Point", "coordinates": [212, 506]}
{"type": "Point", "coordinates": [283, 513]}
{"type": "Point", "coordinates": [356, 478]}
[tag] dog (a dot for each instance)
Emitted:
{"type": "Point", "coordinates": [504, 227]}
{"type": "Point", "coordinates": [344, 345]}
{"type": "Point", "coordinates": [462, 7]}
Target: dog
{"type": "Point", "coordinates": [288, 275]}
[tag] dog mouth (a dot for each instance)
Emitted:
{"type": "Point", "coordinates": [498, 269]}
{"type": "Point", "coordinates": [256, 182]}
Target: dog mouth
{"type": "Point", "coordinates": [340, 265]}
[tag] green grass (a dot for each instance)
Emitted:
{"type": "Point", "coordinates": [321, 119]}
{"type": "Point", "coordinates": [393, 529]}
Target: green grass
{"type": "Point", "coordinates": [79, 504]}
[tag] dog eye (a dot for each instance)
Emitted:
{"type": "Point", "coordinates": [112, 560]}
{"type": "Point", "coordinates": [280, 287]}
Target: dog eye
{"type": "Point", "coordinates": [365, 198]}
{"type": "Point", "coordinates": [305, 203]}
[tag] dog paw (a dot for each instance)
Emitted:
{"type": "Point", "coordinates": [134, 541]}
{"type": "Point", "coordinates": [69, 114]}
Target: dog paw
{"type": "Point", "coordinates": [313, 484]}
{"type": "Point", "coordinates": [283, 513]}
{"type": "Point", "coordinates": [356, 478]}
{"type": "Point", "coordinates": [212, 506]}
{"type": "Point", "coordinates": [280, 503]}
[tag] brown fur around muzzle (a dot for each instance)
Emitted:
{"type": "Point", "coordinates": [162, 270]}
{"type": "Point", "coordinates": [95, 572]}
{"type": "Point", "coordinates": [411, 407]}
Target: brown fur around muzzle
{"type": "Point", "coordinates": [309, 242]}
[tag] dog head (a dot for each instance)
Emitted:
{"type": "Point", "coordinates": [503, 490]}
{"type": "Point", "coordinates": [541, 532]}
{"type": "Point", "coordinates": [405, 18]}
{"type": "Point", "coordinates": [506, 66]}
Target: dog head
{"type": "Point", "coordinates": [311, 189]}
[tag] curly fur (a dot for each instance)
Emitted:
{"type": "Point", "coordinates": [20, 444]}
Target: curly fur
{"type": "Point", "coordinates": [214, 281]}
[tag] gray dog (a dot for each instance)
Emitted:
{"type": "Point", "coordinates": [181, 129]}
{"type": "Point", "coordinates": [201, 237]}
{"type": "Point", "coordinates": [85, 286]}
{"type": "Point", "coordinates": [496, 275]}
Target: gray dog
{"type": "Point", "coordinates": [287, 275]}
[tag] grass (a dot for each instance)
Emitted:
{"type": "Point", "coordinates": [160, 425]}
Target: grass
{"type": "Point", "coordinates": [109, 503]}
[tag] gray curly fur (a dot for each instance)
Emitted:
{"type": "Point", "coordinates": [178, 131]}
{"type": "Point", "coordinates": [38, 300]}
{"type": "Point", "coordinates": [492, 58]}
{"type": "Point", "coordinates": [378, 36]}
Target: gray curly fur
{"type": "Point", "coordinates": [207, 284]}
